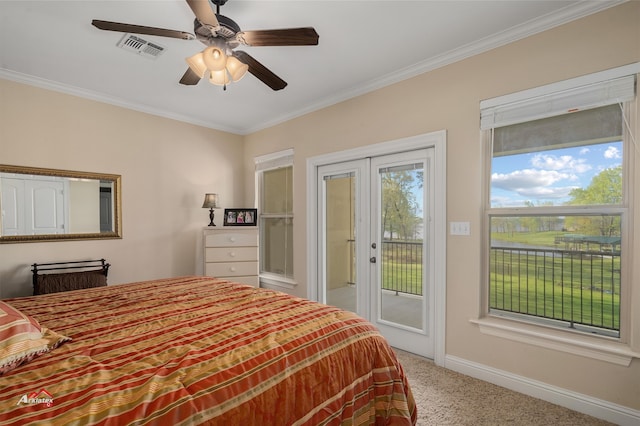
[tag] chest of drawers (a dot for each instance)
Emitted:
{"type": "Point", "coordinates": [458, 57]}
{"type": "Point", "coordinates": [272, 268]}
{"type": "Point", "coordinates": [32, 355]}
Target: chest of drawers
{"type": "Point", "coordinates": [232, 253]}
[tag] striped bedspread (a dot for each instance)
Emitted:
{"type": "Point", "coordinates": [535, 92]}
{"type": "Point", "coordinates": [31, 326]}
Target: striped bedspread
{"type": "Point", "coordinates": [198, 350]}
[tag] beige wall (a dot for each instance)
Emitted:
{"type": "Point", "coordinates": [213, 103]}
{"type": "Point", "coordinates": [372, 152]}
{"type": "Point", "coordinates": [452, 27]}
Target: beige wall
{"type": "Point", "coordinates": [166, 167]}
{"type": "Point", "coordinates": [448, 98]}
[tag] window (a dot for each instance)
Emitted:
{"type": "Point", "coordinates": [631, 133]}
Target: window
{"type": "Point", "coordinates": [274, 175]}
{"type": "Point", "coordinates": [557, 208]}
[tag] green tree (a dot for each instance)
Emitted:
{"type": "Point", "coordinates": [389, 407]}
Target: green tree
{"type": "Point", "coordinates": [539, 223]}
{"type": "Point", "coordinates": [531, 223]}
{"type": "Point", "coordinates": [399, 206]}
{"type": "Point", "coordinates": [605, 189]}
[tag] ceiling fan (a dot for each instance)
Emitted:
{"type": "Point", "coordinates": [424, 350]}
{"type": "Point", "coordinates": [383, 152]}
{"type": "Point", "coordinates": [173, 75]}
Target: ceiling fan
{"type": "Point", "coordinates": [219, 61]}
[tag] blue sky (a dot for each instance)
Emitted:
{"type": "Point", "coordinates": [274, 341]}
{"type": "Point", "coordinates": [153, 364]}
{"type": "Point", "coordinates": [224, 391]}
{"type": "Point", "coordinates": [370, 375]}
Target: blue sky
{"type": "Point", "coordinates": [549, 176]}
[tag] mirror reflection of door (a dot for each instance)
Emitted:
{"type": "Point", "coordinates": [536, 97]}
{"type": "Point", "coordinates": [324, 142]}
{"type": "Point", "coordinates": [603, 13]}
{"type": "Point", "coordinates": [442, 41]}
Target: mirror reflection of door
{"type": "Point", "coordinates": [41, 204]}
{"type": "Point", "coordinates": [12, 204]}
{"type": "Point", "coordinates": [33, 206]}
{"type": "Point", "coordinates": [106, 208]}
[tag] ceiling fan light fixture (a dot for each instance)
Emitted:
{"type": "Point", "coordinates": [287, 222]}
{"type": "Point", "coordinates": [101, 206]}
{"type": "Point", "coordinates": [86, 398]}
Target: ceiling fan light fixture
{"type": "Point", "coordinates": [236, 69]}
{"type": "Point", "coordinates": [214, 58]}
{"type": "Point", "coordinates": [197, 65]}
{"type": "Point", "coordinates": [220, 35]}
{"type": "Point", "coordinates": [219, 78]}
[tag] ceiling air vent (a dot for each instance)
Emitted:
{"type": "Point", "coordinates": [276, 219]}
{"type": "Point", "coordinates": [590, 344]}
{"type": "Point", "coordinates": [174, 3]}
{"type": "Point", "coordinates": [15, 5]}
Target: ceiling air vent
{"type": "Point", "coordinates": [140, 46]}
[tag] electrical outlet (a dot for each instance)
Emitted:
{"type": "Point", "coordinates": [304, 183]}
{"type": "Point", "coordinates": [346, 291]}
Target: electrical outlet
{"type": "Point", "coordinates": [459, 228]}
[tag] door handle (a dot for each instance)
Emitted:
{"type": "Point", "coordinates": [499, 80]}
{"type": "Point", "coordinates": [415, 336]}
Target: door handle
{"type": "Point", "coordinates": [372, 259]}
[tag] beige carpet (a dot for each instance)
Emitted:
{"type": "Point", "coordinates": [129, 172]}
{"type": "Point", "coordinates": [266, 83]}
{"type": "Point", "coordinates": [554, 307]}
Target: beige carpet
{"type": "Point", "coordinates": [445, 397]}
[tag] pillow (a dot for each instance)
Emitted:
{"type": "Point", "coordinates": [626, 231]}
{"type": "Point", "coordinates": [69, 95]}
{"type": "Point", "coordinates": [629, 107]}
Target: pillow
{"type": "Point", "coordinates": [22, 338]}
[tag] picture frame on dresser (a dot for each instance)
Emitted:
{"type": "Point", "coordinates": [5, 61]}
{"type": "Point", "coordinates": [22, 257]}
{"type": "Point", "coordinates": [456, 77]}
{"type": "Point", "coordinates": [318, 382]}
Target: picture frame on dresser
{"type": "Point", "coordinates": [240, 217]}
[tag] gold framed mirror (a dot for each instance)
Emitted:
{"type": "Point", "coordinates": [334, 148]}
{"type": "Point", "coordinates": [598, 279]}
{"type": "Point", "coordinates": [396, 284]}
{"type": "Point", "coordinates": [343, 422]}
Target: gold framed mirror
{"type": "Point", "coordinates": [39, 204]}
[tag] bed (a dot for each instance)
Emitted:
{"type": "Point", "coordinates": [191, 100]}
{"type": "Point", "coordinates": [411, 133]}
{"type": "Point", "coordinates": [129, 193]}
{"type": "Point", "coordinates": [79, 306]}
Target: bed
{"type": "Point", "coordinates": [200, 350]}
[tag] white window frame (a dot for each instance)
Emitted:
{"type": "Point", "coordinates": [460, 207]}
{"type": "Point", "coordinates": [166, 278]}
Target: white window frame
{"type": "Point", "coordinates": [265, 163]}
{"type": "Point", "coordinates": [614, 350]}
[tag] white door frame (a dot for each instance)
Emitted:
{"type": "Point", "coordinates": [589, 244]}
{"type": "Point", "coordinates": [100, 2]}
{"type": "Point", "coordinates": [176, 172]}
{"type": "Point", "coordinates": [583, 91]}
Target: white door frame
{"type": "Point", "coordinates": [437, 141]}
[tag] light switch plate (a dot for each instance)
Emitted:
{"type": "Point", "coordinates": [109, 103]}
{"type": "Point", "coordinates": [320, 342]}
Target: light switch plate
{"type": "Point", "coordinates": [459, 228]}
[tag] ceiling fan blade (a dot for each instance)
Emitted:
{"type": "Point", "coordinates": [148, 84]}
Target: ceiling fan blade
{"type": "Point", "coordinates": [204, 14]}
{"type": "Point", "coordinates": [306, 36]}
{"type": "Point", "coordinates": [260, 71]}
{"type": "Point", "coordinates": [139, 29]}
{"type": "Point", "coordinates": [190, 78]}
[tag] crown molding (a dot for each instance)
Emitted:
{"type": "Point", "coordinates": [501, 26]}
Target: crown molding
{"type": "Point", "coordinates": [103, 98]}
{"type": "Point", "coordinates": [557, 18]}
{"type": "Point", "coordinates": [519, 32]}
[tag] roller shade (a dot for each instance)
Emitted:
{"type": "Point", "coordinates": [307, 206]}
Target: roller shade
{"type": "Point", "coordinates": [586, 127]}
{"type": "Point", "coordinates": [608, 92]}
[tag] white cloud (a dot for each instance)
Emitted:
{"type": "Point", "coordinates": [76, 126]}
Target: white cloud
{"type": "Point", "coordinates": [547, 192]}
{"type": "Point", "coordinates": [563, 162]}
{"type": "Point", "coordinates": [533, 183]}
{"type": "Point", "coordinates": [549, 175]}
{"type": "Point", "coordinates": [612, 153]}
{"type": "Point", "coordinates": [527, 178]}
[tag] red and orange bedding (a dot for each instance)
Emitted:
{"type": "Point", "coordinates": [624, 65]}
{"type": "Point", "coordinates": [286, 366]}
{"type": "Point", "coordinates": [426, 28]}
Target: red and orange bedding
{"type": "Point", "coordinates": [198, 350]}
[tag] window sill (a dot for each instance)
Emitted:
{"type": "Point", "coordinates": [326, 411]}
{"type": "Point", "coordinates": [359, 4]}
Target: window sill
{"type": "Point", "coordinates": [599, 348]}
{"type": "Point", "coordinates": [278, 281]}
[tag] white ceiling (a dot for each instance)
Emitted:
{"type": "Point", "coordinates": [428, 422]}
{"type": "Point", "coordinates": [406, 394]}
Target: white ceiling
{"type": "Point", "coordinates": [364, 45]}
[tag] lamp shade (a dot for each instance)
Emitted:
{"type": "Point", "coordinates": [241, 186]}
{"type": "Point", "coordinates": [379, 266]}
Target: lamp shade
{"type": "Point", "coordinates": [236, 69]}
{"type": "Point", "coordinates": [197, 65]}
{"type": "Point", "coordinates": [219, 78]}
{"type": "Point", "coordinates": [211, 201]}
{"type": "Point", "coordinates": [214, 58]}
{"type": "Point", "coordinates": [214, 63]}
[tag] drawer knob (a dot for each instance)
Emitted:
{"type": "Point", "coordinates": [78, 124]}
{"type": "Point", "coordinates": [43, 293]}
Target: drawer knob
{"type": "Point", "coordinates": [232, 254]}
{"type": "Point", "coordinates": [232, 269]}
{"type": "Point", "coordinates": [232, 239]}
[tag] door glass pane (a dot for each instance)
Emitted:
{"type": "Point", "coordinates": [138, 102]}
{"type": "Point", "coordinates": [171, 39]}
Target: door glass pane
{"type": "Point", "coordinates": [339, 245]}
{"type": "Point", "coordinates": [401, 254]}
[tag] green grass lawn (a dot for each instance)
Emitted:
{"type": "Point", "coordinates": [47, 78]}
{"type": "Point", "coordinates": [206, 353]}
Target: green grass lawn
{"type": "Point", "coordinates": [406, 278]}
{"type": "Point", "coordinates": [544, 238]}
{"type": "Point", "coordinates": [576, 288]}
{"type": "Point", "coordinates": [556, 301]}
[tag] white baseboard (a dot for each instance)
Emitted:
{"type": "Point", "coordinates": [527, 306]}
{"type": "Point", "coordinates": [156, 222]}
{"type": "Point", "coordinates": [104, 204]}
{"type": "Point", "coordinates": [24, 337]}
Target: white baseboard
{"type": "Point", "coordinates": [599, 408]}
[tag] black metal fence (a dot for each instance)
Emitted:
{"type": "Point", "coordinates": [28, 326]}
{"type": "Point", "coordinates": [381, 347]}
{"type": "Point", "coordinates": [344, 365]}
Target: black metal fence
{"type": "Point", "coordinates": [402, 266]}
{"type": "Point", "coordinates": [579, 288]}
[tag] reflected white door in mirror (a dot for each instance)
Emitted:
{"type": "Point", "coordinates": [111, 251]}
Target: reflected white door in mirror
{"type": "Point", "coordinates": [39, 204]}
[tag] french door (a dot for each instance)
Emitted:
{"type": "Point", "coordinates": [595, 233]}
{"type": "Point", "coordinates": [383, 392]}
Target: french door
{"type": "Point", "coordinates": [375, 244]}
